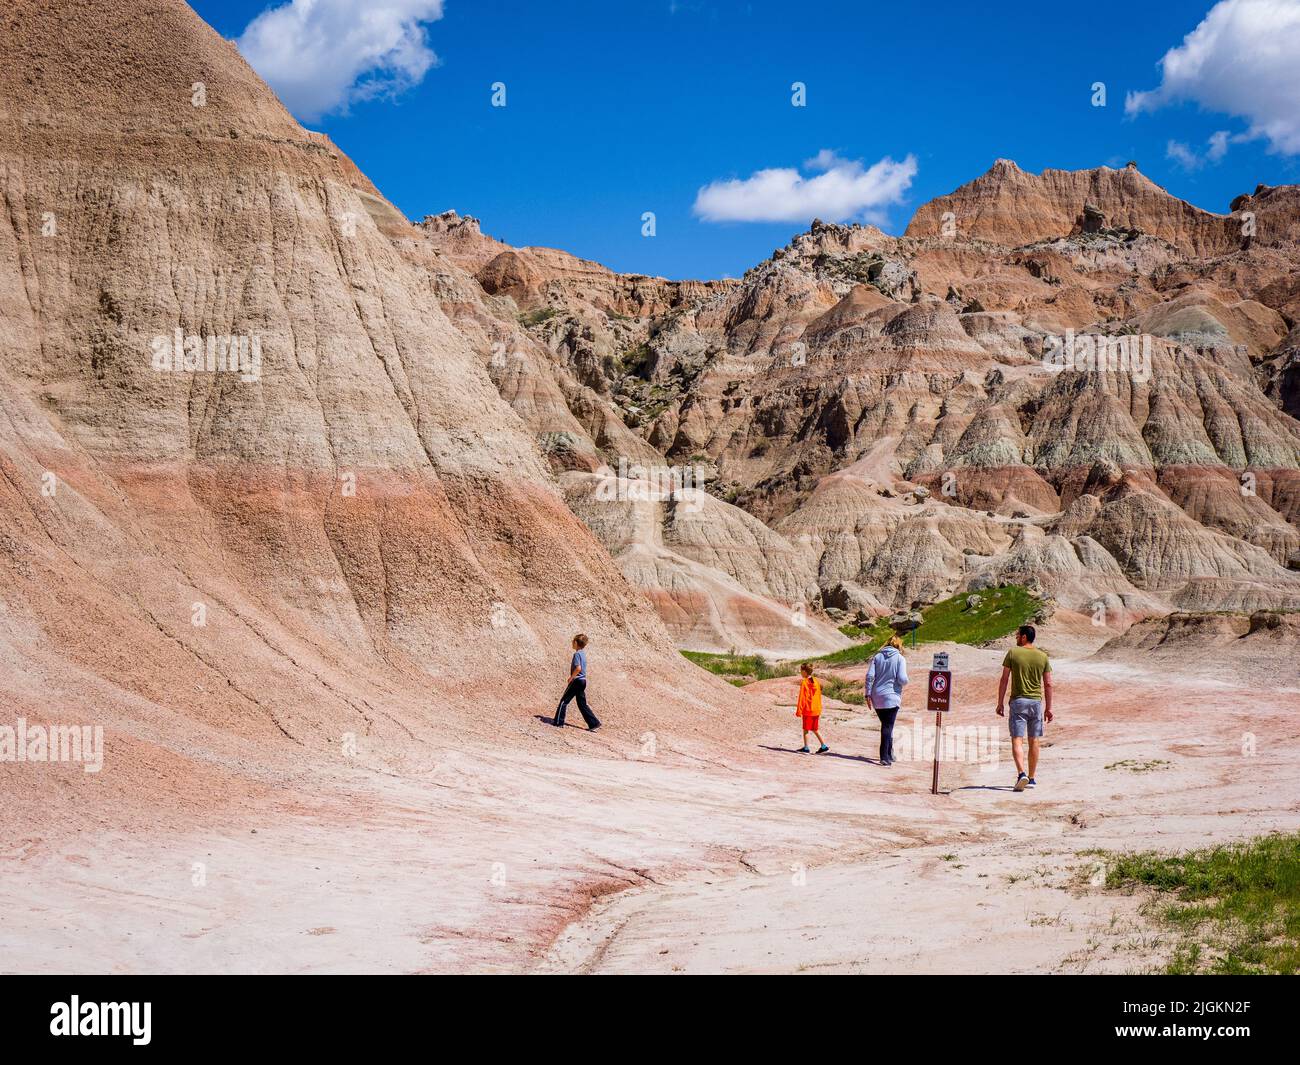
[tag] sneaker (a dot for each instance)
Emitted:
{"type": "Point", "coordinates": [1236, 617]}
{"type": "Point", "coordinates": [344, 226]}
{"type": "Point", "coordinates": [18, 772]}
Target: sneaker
{"type": "Point", "coordinates": [804, 750]}
{"type": "Point", "coordinates": [1032, 783]}
{"type": "Point", "coordinates": [822, 749]}
{"type": "Point", "coordinates": [1022, 782]}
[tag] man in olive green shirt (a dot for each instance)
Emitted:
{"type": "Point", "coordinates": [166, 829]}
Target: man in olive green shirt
{"type": "Point", "coordinates": [1030, 675]}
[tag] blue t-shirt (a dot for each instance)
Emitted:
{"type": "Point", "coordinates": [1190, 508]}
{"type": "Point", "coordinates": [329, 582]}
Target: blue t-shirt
{"type": "Point", "coordinates": [579, 660]}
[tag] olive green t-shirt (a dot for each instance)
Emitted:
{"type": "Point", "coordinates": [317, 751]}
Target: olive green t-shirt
{"type": "Point", "coordinates": [1027, 665]}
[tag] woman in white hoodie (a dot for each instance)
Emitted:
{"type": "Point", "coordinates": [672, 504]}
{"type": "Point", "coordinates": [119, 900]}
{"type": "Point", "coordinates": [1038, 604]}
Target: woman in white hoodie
{"type": "Point", "coordinates": [886, 678]}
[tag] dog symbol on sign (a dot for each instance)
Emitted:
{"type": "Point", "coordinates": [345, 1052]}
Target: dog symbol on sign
{"type": "Point", "coordinates": [940, 694]}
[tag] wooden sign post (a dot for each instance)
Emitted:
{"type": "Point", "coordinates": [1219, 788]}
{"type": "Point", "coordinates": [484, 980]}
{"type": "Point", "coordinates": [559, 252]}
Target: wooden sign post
{"type": "Point", "coordinates": [939, 699]}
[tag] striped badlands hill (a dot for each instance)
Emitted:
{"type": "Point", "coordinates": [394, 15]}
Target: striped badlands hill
{"type": "Point", "coordinates": [233, 560]}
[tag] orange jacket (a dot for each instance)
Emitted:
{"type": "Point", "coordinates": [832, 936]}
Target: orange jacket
{"type": "Point", "coordinates": [810, 698]}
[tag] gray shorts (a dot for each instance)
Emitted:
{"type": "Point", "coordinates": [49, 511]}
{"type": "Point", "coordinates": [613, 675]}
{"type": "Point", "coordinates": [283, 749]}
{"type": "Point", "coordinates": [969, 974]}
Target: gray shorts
{"type": "Point", "coordinates": [1026, 717]}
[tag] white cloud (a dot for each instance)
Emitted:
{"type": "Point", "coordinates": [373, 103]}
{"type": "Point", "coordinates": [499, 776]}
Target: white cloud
{"type": "Point", "coordinates": [826, 159]}
{"type": "Point", "coordinates": [1243, 59]}
{"type": "Point", "coordinates": [322, 55]}
{"type": "Point", "coordinates": [1216, 148]}
{"type": "Point", "coordinates": [841, 189]}
{"type": "Point", "coordinates": [1183, 155]}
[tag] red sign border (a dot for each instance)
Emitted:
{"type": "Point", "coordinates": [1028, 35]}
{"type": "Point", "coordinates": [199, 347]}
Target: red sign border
{"type": "Point", "coordinates": [939, 702]}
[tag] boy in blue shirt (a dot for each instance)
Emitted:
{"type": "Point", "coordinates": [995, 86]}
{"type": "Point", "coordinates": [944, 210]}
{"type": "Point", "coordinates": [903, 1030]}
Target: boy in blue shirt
{"type": "Point", "coordinates": [577, 687]}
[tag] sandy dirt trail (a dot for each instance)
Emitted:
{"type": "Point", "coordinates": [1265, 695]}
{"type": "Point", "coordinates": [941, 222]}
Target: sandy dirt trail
{"type": "Point", "coordinates": [591, 853]}
{"type": "Point", "coordinates": [1137, 760]}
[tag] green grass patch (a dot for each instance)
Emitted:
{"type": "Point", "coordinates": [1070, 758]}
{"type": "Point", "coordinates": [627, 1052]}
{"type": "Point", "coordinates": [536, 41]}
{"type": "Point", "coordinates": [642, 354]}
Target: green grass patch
{"type": "Point", "coordinates": [531, 318]}
{"type": "Point", "coordinates": [859, 652]}
{"type": "Point", "coordinates": [1235, 908]}
{"type": "Point", "coordinates": [846, 691]}
{"type": "Point", "coordinates": [741, 668]}
{"type": "Point", "coordinates": [745, 669]}
{"type": "Point", "coordinates": [1001, 611]}
{"type": "Point", "coordinates": [877, 632]}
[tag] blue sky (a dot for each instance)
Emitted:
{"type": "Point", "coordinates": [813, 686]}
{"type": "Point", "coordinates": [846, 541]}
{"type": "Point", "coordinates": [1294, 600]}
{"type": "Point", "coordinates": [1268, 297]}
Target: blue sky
{"type": "Point", "coordinates": [621, 107]}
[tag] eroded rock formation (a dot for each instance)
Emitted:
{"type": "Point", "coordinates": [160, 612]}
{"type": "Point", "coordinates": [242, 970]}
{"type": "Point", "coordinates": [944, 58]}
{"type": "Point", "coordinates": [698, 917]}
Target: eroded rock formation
{"type": "Point", "coordinates": [851, 369]}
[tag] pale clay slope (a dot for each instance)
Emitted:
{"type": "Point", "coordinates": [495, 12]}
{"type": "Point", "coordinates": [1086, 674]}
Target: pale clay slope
{"type": "Point", "coordinates": [234, 577]}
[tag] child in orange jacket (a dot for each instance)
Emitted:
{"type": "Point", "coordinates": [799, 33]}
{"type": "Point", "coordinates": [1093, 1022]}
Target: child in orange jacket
{"type": "Point", "coordinates": [810, 708]}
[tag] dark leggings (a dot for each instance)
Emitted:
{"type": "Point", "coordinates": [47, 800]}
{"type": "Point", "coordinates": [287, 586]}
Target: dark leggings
{"type": "Point", "coordinates": [887, 718]}
{"type": "Point", "coordinates": [577, 689]}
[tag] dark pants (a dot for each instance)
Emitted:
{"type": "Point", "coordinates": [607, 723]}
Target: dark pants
{"type": "Point", "coordinates": [577, 689]}
{"type": "Point", "coordinates": [887, 718]}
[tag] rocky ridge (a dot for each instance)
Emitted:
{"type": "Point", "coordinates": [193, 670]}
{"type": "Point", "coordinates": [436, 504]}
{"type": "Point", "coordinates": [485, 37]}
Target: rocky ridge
{"type": "Point", "coordinates": [884, 404]}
